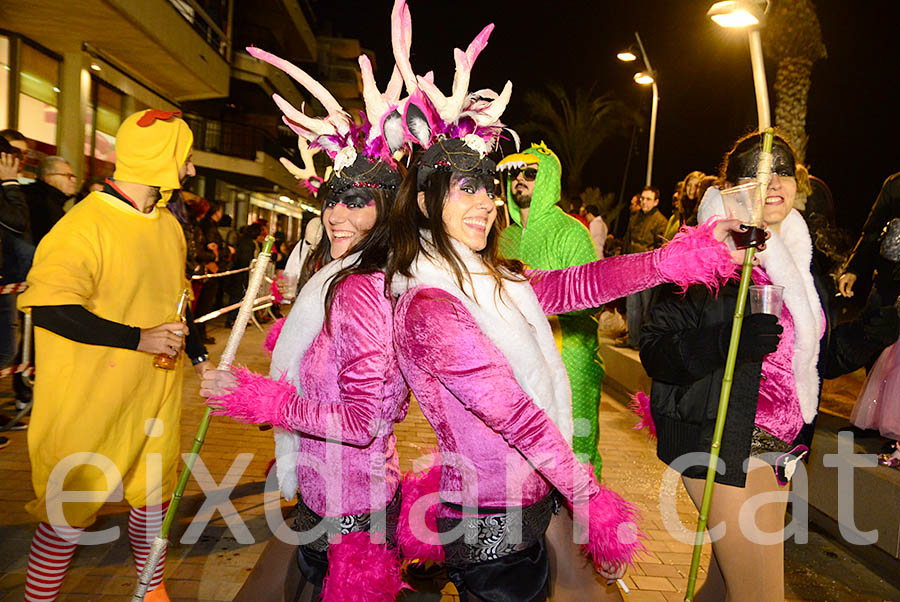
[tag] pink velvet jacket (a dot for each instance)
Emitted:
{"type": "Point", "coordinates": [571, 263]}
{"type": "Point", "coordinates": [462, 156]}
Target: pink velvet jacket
{"type": "Point", "coordinates": [489, 431]}
{"type": "Point", "coordinates": [353, 393]}
{"type": "Point", "coordinates": [352, 371]}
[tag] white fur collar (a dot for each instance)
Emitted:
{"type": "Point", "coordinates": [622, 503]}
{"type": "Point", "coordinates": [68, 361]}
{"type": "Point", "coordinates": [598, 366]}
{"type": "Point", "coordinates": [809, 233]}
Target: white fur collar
{"type": "Point", "coordinates": [303, 324]}
{"type": "Point", "coordinates": [513, 321]}
{"type": "Point", "coordinates": [787, 260]}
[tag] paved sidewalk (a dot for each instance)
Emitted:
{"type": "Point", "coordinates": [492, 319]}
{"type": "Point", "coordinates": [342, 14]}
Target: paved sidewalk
{"type": "Point", "coordinates": [214, 567]}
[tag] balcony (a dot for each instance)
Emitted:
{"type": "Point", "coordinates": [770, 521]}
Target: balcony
{"type": "Point", "coordinates": [211, 19]}
{"type": "Point", "coordinates": [270, 79]}
{"type": "Point", "coordinates": [246, 155]}
{"type": "Point", "coordinates": [149, 40]}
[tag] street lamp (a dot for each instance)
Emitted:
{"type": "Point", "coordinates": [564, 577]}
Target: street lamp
{"type": "Point", "coordinates": [749, 14]}
{"type": "Point", "coordinates": [736, 13]}
{"type": "Point", "coordinates": [645, 78]}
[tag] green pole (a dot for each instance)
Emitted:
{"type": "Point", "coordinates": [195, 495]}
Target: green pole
{"type": "Point", "coordinates": [763, 175]}
{"type": "Point", "coordinates": [234, 339]}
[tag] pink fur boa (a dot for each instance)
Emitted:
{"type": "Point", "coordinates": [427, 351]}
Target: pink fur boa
{"type": "Point", "coordinates": [613, 535]}
{"type": "Point", "coordinates": [256, 399]}
{"type": "Point", "coordinates": [273, 334]}
{"type": "Point", "coordinates": [640, 405]}
{"type": "Point", "coordinates": [362, 571]}
{"type": "Point", "coordinates": [694, 256]}
{"type": "Point", "coordinates": [415, 486]}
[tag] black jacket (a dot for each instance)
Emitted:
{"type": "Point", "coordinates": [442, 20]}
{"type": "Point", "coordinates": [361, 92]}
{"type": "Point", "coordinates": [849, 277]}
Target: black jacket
{"type": "Point", "coordinates": [681, 353]}
{"type": "Point", "coordinates": [13, 229]}
{"type": "Point", "coordinates": [45, 203]}
{"type": "Point", "coordinates": [865, 256]}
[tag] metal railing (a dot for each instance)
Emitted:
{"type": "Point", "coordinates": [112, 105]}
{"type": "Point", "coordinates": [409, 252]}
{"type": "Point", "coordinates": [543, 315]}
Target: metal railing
{"type": "Point", "coordinates": [237, 139]}
{"type": "Point", "coordinates": [211, 19]}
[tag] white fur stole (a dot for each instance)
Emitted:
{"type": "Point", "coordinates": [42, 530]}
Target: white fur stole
{"type": "Point", "coordinates": [787, 260]}
{"type": "Point", "coordinates": [303, 324]}
{"type": "Point", "coordinates": [514, 322]}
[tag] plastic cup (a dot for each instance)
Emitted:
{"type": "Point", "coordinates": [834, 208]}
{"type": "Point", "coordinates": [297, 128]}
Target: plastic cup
{"type": "Point", "coordinates": [744, 203]}
{"type": "Point", "coordinates": [288, 287]}
{"type": "Point", "coordinates": [766, 299]}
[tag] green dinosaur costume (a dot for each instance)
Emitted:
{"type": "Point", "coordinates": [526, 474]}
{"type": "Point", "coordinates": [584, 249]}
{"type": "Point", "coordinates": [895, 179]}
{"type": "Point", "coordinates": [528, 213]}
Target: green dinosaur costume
{"type": "Point", "coordinates": [553, 240]}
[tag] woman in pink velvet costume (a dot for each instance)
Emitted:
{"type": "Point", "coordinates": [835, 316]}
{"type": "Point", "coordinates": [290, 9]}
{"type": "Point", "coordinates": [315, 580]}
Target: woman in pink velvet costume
{"type": "Point", "coordinates": [335, 390]}
{"type": "Point", "coordinates": [476, 349]}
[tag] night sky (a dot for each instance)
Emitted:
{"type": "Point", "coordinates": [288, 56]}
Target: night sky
{"type": "Point", "coordinates": [705, 83]}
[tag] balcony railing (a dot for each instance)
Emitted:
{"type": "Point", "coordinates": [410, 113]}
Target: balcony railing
{"type": "Point", "coordinates": [239, 140]}
{"type": "Point", "coordinates": [209, 18]}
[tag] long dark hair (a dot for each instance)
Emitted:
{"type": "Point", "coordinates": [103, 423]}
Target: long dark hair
{"type": "Point", "coordinates": [407, 220]}
{"type": "Point", "coordinates": [373, 248]}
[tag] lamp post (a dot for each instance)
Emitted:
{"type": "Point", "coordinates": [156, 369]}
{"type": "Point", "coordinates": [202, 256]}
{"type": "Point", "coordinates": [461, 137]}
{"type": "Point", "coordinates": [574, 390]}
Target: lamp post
{"type": "Point", "coordinates": [644, 78]}
{"type": "Point", "coordinates": [749, 14]}
{"type": "Point", "coordinates": [736, 13]}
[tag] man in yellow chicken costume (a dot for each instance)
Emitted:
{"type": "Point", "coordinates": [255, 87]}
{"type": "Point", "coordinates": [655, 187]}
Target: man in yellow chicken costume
{"type": "Point", "coordinates": [103, 292]}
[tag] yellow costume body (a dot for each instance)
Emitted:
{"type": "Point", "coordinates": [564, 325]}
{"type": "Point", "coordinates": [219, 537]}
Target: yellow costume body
{"type": "Point", "coordinates": [128, 267]}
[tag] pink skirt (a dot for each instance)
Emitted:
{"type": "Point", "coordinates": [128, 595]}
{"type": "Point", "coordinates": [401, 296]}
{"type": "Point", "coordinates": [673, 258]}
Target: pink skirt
{"type": "Point", "coordinates": [878, 405]}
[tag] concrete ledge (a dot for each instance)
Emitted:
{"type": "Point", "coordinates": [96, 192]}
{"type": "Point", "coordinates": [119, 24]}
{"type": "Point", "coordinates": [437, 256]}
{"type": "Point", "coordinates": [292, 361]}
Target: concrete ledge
{"type": "Point", "coordinates": [876, 503]}
{"type": "Point", "coordinates": [876, 500]}
{"type": "Point", "coordinates": [624, 373]}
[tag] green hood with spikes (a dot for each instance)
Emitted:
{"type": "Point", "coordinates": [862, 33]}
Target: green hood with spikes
{"type": "Point", "coordinates": [547, 186]}
{"type": "Point", "coordinates": [551, 239]}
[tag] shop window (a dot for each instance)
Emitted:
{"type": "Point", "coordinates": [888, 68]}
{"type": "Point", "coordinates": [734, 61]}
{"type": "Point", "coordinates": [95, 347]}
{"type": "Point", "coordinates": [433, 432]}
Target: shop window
{"type": "Point", "coordinates": [38, 96]}
{"type": "Point", "coordinates": [4, 82]}
{"type": "Point", "coordinates": [101, 124]}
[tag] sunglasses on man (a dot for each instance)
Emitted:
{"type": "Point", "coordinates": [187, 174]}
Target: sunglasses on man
{"type": "Point", "coordinates": [528, 174]}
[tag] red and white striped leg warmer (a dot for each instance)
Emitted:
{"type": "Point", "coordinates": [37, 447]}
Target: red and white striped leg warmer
{"type": "Point", "coordinates": [143, 527]}
{"type": "Point", "coordinates": [51, 553]}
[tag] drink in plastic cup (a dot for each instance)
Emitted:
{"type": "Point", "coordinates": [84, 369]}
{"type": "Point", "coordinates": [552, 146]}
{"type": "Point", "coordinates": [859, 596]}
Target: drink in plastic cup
{"type": "Point", "coordinates": [766, 299]}
{"type": "Point", "coordinates": [744, 203]}
{"type": "Point", "coordinates": [288, 287]}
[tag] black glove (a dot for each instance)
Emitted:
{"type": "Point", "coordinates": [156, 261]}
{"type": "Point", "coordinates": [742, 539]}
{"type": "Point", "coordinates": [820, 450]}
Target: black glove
{"type": "Point", "coordinates": [760, 334]}
{"type": "Point", "coordinates": [881, 325]}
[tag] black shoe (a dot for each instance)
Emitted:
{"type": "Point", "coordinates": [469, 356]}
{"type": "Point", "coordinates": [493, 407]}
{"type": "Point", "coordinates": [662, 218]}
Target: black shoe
{"type": "Point", "coordinates": [3, 442]}
{"type": "Point", "coordinates": [5, 420]}
{"type": "Point", "coordinates": [209, 340]}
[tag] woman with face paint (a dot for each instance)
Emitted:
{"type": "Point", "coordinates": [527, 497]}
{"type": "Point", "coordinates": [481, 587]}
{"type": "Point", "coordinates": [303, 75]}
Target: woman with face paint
{"type": "Point", "coordinates": [334, 389]}
{"type": "Point", "coordinates": [776, 386]}
{"type": "Point", "coordinates": [475, 346]}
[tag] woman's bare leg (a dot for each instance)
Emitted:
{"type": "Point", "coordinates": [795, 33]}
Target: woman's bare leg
{"type": "Point", "coordinates": [572, 576]}
{"type": "Point", "coordinates": [750, 571]}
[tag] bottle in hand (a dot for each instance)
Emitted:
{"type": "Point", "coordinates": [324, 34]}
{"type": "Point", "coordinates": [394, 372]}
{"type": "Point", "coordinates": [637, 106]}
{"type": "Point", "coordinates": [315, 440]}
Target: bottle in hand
{"type": "Point", "coordinates": [165, 361]}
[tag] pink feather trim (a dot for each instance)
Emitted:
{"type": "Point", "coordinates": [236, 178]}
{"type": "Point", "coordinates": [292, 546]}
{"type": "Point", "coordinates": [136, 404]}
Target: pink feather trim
{"type": "Point", "coordinates": [640, 405]}
{"type": "Point", "coordinates": [613, 535]}
{"type": "Point", "coordinates": [362, 571]}
{"type": "Point", "coordinates": [273, 334]}
{"type": "Point", "coordinates": [277, 297]}
{"type": "Point", "coordinates": [414, 486]}
{"type": "Point", "coordinates": [694, 256]}
{"type": "Point", "coordinates": [256, 399]}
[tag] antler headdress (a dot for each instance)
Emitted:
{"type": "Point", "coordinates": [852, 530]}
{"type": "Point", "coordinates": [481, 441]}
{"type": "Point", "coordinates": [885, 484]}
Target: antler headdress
{"type": "Point", "coordinates": [361, 153]}
{"type": "Point", "coordinates": [457, 130]}
{"type": "Point", "coordinates": [308, 176]}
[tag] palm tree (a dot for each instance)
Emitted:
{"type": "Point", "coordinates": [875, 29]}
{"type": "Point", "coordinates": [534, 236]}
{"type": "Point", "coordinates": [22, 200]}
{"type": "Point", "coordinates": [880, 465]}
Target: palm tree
{"type": "Point", "coordinates": [575, 128]}
{"type": "Point", "coordinates": [793, 38]}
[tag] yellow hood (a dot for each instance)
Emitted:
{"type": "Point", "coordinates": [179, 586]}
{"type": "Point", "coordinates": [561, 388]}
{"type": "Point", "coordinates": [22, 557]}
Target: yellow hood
{"type": "Point", "coordinates": [151, 147]}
